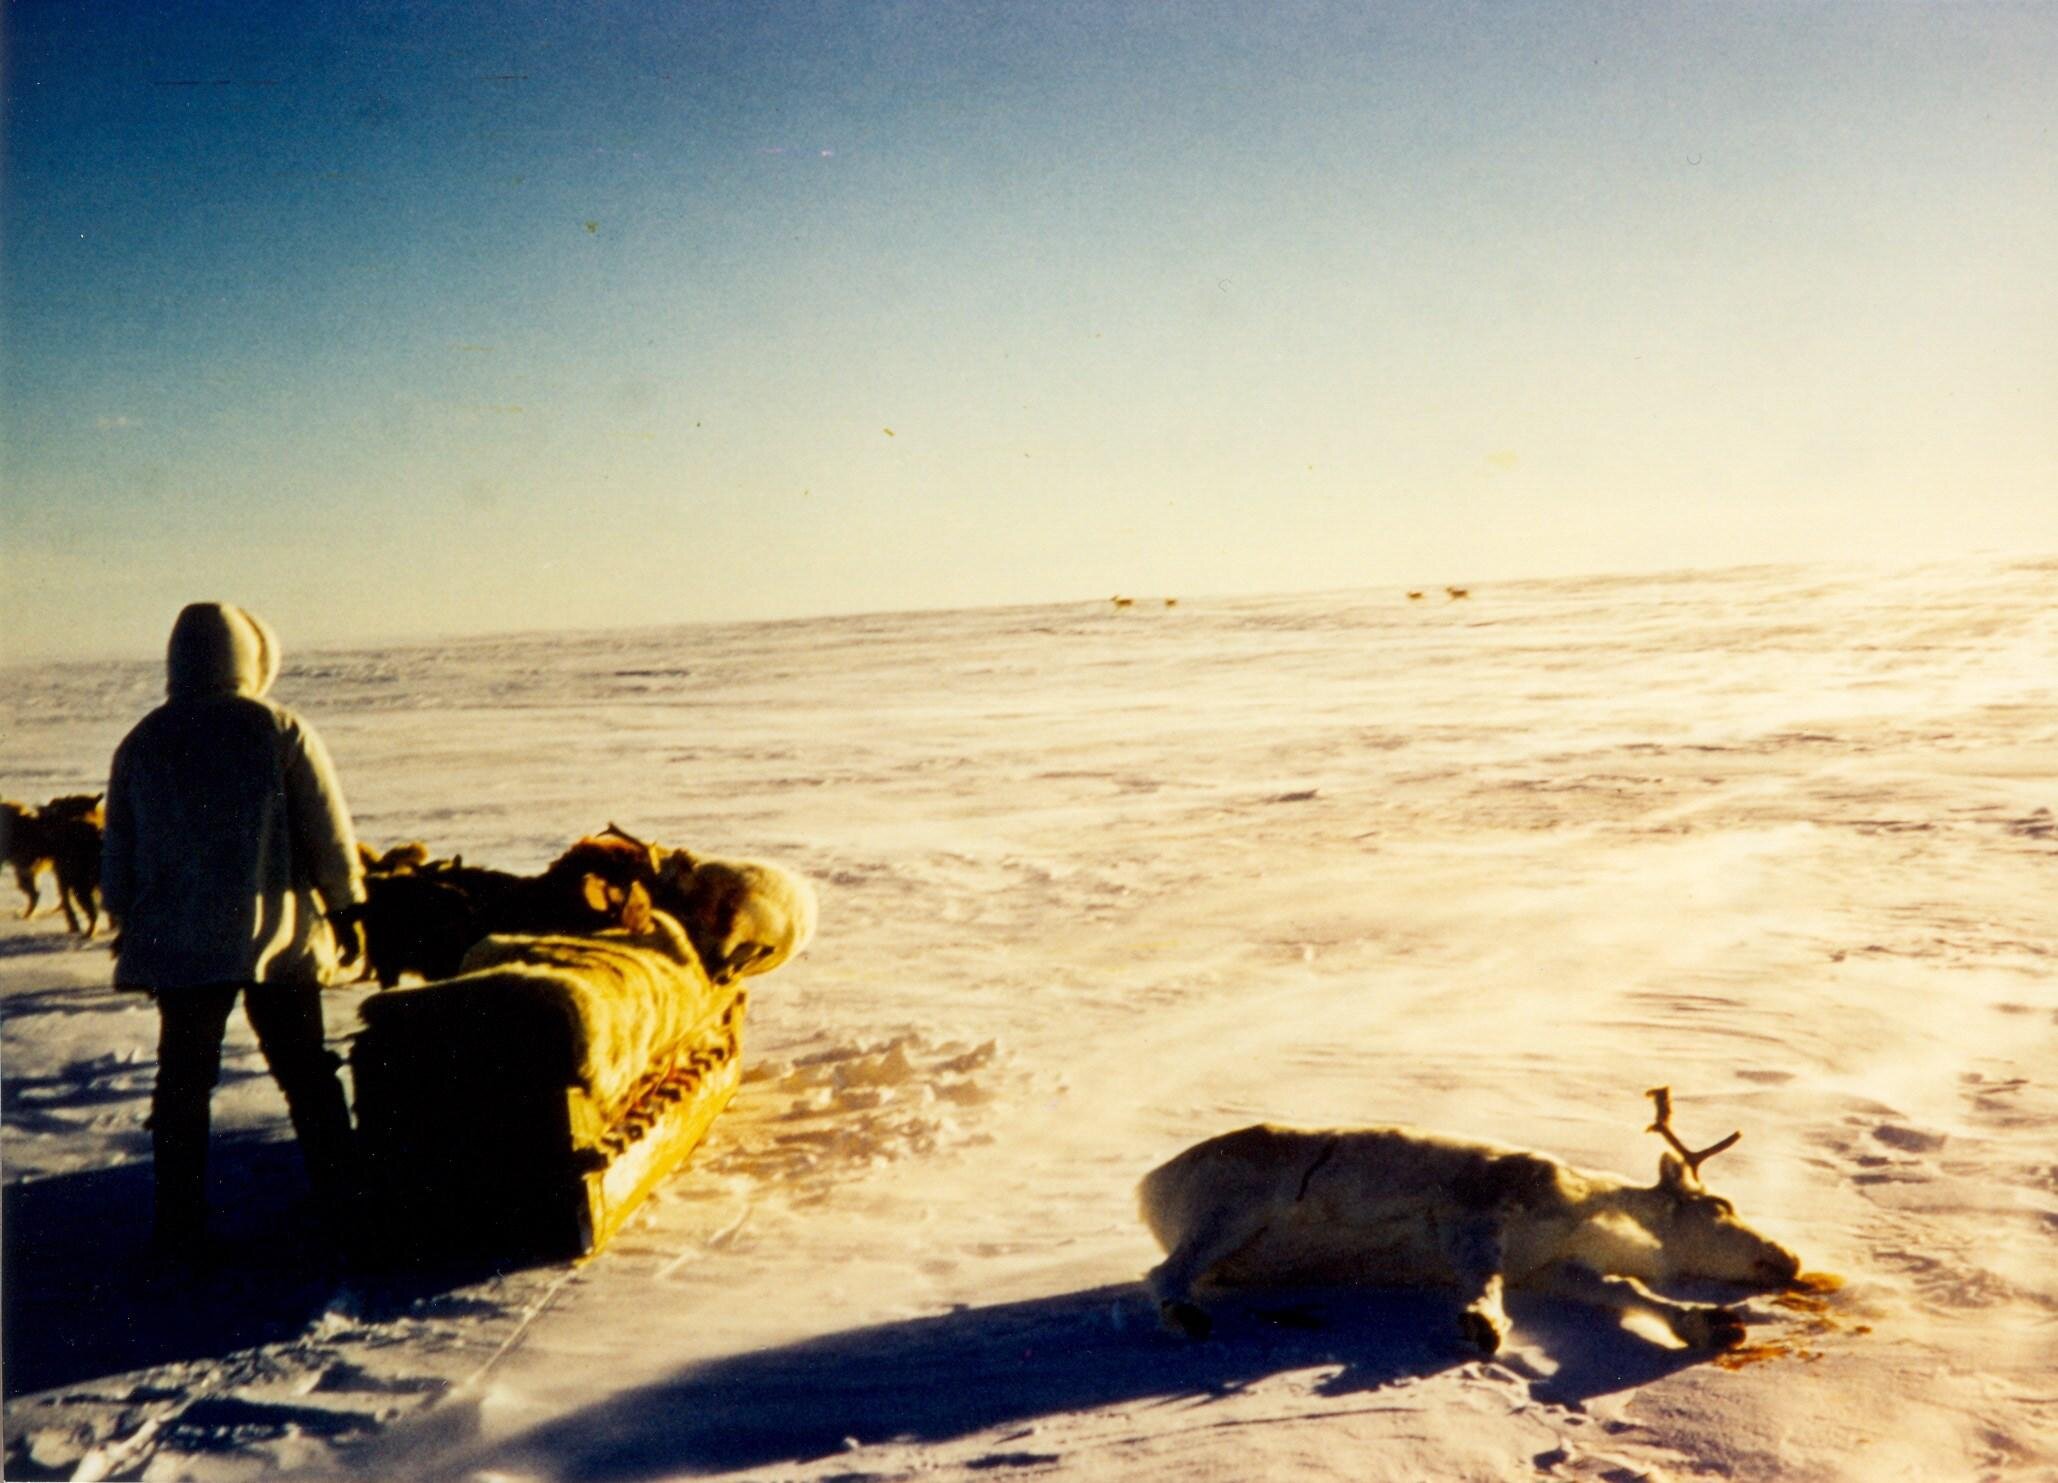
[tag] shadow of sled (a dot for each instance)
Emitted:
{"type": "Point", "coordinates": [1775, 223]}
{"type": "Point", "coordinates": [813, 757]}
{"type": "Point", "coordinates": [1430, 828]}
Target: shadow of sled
{"type": "Point", "coordinates": [977, 1369]}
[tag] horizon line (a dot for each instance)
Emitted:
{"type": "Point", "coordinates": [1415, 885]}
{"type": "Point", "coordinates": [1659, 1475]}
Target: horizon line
{"type": "Point", "coordinates": [432, 639]}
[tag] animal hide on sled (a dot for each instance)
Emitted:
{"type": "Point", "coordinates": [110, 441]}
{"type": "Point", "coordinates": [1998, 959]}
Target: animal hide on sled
{"type": "Point", "coordinates": [523, 1108]}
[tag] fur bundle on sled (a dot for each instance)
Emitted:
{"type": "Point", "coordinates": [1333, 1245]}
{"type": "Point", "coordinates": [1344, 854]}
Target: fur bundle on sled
{"type": "Point", "coordinates": [594, 1012]}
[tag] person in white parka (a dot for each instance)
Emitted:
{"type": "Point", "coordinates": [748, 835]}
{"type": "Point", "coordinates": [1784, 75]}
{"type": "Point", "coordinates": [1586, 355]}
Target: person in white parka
{"type": "Point", "coordinates": [228, 847]}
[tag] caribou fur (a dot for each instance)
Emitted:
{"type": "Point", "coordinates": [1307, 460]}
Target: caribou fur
{"type": "Point", "coordinates": [1270, 1205]}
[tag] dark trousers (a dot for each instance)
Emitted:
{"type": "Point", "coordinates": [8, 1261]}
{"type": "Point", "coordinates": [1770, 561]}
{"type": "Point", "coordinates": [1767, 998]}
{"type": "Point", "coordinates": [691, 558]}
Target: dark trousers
{"type": "Point", "coordinates": [287, 1019]}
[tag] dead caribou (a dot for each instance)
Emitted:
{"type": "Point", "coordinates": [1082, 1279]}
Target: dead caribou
{"type": "Point", "coordinates": [1276, 1206]}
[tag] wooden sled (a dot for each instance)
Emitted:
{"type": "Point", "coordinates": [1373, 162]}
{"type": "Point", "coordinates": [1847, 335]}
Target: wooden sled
{"type": "Point", "coordinates": [520, 1111]}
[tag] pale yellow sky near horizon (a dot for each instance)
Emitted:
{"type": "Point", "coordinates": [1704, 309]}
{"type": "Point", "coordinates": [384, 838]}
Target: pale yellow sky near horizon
{"type": "Point", "coordinates": [507, 319]}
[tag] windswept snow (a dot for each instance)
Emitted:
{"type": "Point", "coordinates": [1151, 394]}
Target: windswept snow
{"type": "Point", "coordinates": [1095, 884]}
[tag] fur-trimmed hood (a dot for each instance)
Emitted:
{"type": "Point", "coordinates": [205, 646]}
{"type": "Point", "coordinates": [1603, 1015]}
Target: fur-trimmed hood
{"type": "Point", "coordinates": [228, 842]}
{"type": "Point", "coordinates": [218, 648]}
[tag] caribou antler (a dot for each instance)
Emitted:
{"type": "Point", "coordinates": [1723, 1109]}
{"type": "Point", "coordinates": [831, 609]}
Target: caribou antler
{"type": "Point", "coordinates": [651, 852]}
{"type": "Point", "coordinates": [1661, 1100]}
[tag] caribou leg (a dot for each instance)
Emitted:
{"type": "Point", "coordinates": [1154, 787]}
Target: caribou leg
{"type": "Point", "coordinates": [1700, 1325]}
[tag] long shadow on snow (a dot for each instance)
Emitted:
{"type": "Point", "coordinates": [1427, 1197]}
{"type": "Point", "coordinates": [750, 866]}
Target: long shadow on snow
{"type": "Point", "coordinates": [39, 943]}
{"type": "Point", "coordinates": [79, 1300]}
{"type": "Point", "coordinates": [935, 1379]}
{"type": "Point", "coordinates": [40, 1104]}
{"type": "Point", "coordinates": [68, 999]}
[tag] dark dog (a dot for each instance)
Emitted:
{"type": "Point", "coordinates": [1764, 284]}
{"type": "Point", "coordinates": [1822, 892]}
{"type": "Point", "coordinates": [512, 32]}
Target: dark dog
{"type": "Point", "coordinates": [401, 942]}
{"type": "Point", "coordinates": [22, 837]}
{"type": "Point", "coordinates": [62, 837]}
{"type": "Point", "coordinates": [581, 891]}
{"type": "Point", "coordinates": [413, 923]}
{"type": "Point", "coordinates": [425, 917]}
{"type": "Point", "coordinates": [410, 856]}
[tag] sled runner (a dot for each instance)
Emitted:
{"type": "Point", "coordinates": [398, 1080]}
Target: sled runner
{"type": "Point", "coordinates": [523, 1109]}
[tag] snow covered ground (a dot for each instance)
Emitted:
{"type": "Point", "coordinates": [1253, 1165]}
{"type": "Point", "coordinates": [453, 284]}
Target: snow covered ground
{"type": "Point", "coordinates": [1096, 883]}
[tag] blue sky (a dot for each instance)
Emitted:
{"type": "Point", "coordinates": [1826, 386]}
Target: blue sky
{"type": "Point", "coordinates": [407, 319]}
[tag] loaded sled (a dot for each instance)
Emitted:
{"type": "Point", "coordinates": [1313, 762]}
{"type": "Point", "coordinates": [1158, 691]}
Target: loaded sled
{"type": "Point", "coordinates": [520, 1111]}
